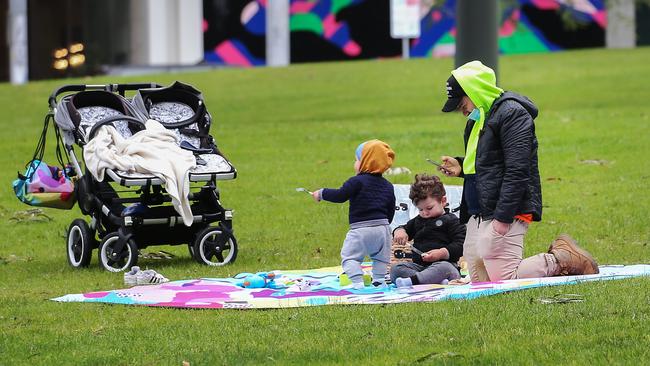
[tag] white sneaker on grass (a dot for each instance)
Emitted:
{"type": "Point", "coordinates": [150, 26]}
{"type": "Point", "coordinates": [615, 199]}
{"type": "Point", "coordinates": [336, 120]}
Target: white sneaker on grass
{"type": "Point", "coordinates": [130, 278]}
{"type": "Point", "coordinates": [150, 277]}
{"type": "Point", "coordinates": [147, 277]}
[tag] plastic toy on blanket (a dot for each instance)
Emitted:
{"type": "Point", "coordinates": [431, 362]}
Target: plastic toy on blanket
{"type": "Point", "coordinates": [259, 280]}
{"type": "Point", "coordinates": [273, 281]}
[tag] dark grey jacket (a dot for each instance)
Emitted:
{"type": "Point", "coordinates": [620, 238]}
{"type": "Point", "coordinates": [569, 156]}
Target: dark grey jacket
{"type": "Point", "coordinates": [507, 175]}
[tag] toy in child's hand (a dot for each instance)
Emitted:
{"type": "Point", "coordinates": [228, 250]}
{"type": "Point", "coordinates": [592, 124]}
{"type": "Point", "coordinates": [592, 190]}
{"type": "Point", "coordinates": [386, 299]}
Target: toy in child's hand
{"type": "Point", "coordinates": [300, 189]}
{"type": "Point", "coordinates": [400, 254]}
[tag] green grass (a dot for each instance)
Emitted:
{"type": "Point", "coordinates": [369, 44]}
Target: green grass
{"type": "Point", "coordinates": [298, 126]}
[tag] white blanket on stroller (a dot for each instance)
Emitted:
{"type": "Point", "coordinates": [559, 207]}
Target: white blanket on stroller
{"type": "Point", "coordinates": [151, 151]}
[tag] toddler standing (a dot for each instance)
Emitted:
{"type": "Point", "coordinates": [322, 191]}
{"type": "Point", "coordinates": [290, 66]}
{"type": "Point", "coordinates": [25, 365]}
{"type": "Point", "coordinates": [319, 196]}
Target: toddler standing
{"type": "Point", "coordinates": [372, 207]}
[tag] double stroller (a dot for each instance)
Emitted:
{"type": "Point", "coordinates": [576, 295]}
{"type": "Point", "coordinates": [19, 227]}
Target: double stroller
{"type": "Point", "coordinates": [130, 210]}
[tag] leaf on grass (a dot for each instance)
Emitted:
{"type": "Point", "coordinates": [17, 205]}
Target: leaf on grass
{"type": "Point", "coordinates": [437, 355]}
{"type": "Point", "coordinates": [31, 215]}
{"type": "Point", "coordinates": [14, 258]}
{"type": "Point", "coordinates": [398, 170]}
{"type": "Point", "coordinates": [161, 254]}
{"type": "Point", "coordinates": [594, 162]}
{"type": "Point", "coordinates": [561, 299]}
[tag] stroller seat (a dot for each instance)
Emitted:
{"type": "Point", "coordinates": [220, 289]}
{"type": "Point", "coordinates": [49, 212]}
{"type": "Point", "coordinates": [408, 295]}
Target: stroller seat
{"type": "Point", "coordinates": [180, 108]}
{"type": "Point", "coordinates": [91, 115]}
{"type": "Point", "coordinates": [216, 168]}
{"type": "Point", "coordinates": [89, 110]}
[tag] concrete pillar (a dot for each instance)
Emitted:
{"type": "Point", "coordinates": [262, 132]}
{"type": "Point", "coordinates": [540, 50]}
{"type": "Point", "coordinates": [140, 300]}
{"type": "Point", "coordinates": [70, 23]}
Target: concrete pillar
{"type": "Point", "coordinates": [17, 37]}
{"type": "Point", "coordinates": [166, 32]}
{"type": "Point", "coordinates": [621, 24]}
{"type": "Point", "coordinates": [477, 32]}
{"type": "Point", "coordinates": [278, 49]}
{"type": "Point", "coordinates": [190, 32]}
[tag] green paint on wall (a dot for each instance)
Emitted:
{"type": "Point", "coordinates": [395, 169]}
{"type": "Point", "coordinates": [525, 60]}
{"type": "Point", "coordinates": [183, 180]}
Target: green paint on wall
{"type": "Point", "coordinates": [339, 4]}
{"type": "Point", "coordinates": [306, 22]}
{"type": "Point", "coordinates": [522, 40]}
{"type": "Point", "coordinates": [447, 39]}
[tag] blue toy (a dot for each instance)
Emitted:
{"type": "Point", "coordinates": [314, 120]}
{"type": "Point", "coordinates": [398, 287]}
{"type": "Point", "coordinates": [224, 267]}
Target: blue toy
{"type": "Point", "coordinates": [260, 280]}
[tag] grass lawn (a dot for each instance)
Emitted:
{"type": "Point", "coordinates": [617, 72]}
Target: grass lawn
{"type": "Point", "coordinates": [298, 127]}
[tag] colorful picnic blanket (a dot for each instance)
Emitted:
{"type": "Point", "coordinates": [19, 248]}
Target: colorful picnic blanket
{"type": "Point", "coordinates": [321, 287]}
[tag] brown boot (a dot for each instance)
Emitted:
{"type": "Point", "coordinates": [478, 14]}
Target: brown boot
{"type": "Point", "coordinates": [572, 259]}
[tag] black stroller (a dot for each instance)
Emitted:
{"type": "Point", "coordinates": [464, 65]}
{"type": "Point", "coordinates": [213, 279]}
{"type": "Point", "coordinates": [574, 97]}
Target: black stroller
{"type": "Point", "coordinates": [130, 210]}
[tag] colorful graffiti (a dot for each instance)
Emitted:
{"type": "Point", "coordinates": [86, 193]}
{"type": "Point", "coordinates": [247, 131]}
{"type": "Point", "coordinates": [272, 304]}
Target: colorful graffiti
{"type": "Point", "coordinates": [323, 30]}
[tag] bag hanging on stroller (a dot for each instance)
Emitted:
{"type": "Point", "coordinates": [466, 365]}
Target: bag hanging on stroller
{"type": "Point", "coordinates": [43, 185]}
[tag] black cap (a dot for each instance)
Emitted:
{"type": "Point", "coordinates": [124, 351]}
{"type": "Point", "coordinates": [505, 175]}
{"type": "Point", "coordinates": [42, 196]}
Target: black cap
{"type": "Point", "coordinates": [454, 95]}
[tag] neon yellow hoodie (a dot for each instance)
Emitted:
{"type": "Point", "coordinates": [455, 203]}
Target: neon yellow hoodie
{"type": "Point", "coordinates": [479, 83]}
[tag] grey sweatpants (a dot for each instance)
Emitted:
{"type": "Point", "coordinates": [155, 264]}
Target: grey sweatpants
{"type": "Point", "coordinates": [373, 241]}
{"type": "Point", "coordinates": [435, 273]}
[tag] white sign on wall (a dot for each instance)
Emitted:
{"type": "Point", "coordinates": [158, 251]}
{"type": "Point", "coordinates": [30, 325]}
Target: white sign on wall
{"type": "Point", "coordinates": [405, 18]}
{"type": "Point", "coordinates": [406, 210]}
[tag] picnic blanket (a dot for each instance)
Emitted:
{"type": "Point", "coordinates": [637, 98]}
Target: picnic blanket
{"type": "Point", "coordinates": [321, 287]}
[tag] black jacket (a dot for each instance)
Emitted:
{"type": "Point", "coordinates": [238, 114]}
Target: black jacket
{"type": "Point", "coordinates": [444, 231]}
{"type": "Point", "coordinates": [507, 175]}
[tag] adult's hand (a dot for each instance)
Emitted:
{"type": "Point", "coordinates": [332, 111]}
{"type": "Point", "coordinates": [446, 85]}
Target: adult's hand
{"type": "Point", "coordinates": [500, 227]}
{"type": "Point", "coordinates": [450, 166]}
{"type": "Point", "coordinates": [400, 236]}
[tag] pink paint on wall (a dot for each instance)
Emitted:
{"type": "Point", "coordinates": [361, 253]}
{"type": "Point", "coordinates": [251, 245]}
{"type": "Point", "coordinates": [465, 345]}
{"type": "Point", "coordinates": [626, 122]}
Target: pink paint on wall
{"type": "Point", "coordinates": [330, 26]}
{"type": "Point", "coordinates": [546, 4]}
{"type": "Point", "coordinates": [352, 48]}
{"type": "Point", "coordinates": [231, 55]}
{"type": "Point", "coordinates": [510, 25]}
{"type": "Point", "coordinates": [601, 18]}
{"type": "Point", "coordinates": [301, 7]}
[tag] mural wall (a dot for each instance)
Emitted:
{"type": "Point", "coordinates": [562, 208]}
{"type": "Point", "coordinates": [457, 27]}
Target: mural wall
{"type": "Point", "coordinates": [325, 30]}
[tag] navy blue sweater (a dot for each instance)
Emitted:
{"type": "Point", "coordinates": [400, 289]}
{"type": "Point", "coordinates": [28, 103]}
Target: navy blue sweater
{"type": "Point", "coordinates": [371, 197]}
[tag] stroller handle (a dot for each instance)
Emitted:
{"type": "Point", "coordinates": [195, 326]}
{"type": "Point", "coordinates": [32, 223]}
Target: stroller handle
{"type": "Point", "coordinates": [120, 88]}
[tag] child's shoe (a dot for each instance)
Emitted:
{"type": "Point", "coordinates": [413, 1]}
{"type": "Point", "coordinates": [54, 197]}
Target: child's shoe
{"type": "Point", "coordinates": [130, 276]}
{"type": "Point", "coordinates": [403, 282]}
{"type": "Point", "coordinates": [150, 277]}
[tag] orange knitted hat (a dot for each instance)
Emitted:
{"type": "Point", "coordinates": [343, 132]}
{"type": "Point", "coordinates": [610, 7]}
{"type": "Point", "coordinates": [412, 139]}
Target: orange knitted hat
{"type": "Point", "coordinates": [376, 157]}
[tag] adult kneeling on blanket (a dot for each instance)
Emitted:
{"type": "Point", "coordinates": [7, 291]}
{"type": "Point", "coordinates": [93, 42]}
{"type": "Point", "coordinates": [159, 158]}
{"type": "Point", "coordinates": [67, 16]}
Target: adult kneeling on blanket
{"type": "Point", "coordinates": [501, 191]}
{"type": "Point", "coordinates": [372, 207]}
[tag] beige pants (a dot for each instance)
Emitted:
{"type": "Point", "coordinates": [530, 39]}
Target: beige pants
{"type": "Point", "coordinates": [493, 257]}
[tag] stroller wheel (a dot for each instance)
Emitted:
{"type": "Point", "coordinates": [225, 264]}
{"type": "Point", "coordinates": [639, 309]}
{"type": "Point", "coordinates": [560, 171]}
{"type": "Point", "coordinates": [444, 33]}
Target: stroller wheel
{"type": "Point", "coordinates": [80, 243]}
{"type": "Point", "coordinates": [215, 246]}
{"type": "Point", "coordinates": [117, 262]}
